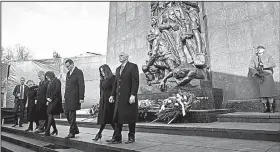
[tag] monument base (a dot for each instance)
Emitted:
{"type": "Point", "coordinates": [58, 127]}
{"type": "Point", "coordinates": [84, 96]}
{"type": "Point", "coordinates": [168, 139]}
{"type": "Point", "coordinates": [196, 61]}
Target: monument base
{"type": "Point", "coordinates": [210, 98]}
{"type": "Point", "coordinates": [206, 110]}
{"type": "Point", "coordinates": [192, 116]}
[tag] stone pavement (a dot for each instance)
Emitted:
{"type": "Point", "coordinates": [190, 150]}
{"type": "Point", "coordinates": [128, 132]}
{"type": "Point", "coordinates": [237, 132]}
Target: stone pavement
{"type": "Point", "coordinates": [216, 125]}
{"type": "Point", "coordinates": [151, 142]}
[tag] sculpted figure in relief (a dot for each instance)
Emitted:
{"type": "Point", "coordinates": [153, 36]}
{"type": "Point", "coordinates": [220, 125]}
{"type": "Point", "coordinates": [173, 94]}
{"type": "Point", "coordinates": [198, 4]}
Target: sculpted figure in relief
{"type": "Point", "coordinates": [175, 32]}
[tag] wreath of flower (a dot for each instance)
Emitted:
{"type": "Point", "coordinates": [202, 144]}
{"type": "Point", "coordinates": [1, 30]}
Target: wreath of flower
{"type": "Point", "coordinates": [176, 105]}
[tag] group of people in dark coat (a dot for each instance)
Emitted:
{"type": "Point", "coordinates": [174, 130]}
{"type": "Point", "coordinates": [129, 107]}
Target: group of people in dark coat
{"type": "Point", "coordinates": [118, 100]}
{"type": "Point", "coordinates": [45, 100]}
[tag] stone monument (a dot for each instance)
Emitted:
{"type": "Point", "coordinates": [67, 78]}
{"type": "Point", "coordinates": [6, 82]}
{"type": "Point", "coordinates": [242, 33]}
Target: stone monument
{"type": "Point", "coordinates": [229, 33]}
{"type": "Point", "coordinates": [177, 54]}
{"type": "Point", "coordinates": [176, 46]}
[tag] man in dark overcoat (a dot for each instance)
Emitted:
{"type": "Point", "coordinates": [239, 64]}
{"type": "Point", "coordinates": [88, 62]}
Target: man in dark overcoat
{"type": "Point", "coordinates": [261, 67]}
{"type": "Point", "coordinates": [20, 93]}
{"type": "Point", "coordinates": [124, 94]}
{"type": "Point", "coordinates": [74, 95]}
{"type": "Point", "coordinates": [41, 102]}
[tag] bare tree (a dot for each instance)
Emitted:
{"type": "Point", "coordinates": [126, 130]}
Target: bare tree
{"type": "Point", "coordinates": [2, 55]}
{"type": "Point", "coordinates": [16, 53]}
{"type": "Point", "coordinates": [7, 54]}
{"type": "Point", "coordinates": [22, 53]}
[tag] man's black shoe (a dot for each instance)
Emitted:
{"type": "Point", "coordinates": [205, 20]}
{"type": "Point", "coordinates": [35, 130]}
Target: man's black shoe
{"type": "Point", "coordinates": [20, 125]}
{"type": "Point", "coordinates": [14, 125]}
{"type": "Point", "coordinates": [130, 140]}
{"type": "Point", "coordinates": [70, 136]}
{"type": "Point", "coordinates": [39, 131]}
{"type": "Point", "coordinates": [109, 140]}
{"type": "Point", "coordinates": [113, 141]}
{"type": "Point", "coordinates": [29, 129]}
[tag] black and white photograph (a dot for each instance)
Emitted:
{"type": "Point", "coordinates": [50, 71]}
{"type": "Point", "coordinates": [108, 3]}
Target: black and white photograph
{"type": "Point", "coordinates": [140, 76]}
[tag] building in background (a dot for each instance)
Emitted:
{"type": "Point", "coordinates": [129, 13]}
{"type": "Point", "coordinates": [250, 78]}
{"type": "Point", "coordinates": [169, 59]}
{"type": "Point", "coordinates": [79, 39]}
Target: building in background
{"type": "Point", "coordinates": [28, 69]}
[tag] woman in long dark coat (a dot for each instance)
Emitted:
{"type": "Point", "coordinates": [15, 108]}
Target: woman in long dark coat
{"type": "Point", "coordinates": [54, 99]}
{"type": "Point", "coordinates": [31, 108]}
{"type": "Point", "coordinates": [106, 109]}
{"type": "Point", "coordinates": [41, 106]}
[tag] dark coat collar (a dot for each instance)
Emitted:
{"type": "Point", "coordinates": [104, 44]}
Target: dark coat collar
{"type": "Point", "coordinates": [74, 70]}
{"type": "Point", "coordinates": [124, 69]}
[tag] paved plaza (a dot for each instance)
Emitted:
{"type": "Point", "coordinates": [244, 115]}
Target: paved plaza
{"type": "Point", "coordinates": [151, 142]}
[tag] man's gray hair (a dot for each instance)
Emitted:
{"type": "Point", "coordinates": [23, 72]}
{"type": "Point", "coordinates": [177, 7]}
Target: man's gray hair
{"type": "Point", "coordinates": [41, 73]}
{"type": "Point", "coordinates": [124, 54]}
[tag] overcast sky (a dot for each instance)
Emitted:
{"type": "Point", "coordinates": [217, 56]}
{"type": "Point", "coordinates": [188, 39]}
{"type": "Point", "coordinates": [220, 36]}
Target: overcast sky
{"type": "Point", "coordinates": [71, 28]}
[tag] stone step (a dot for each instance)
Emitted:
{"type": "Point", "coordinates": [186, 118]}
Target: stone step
{"type": "Point", "coordinates": [148, 142]}
{"type": "Point", "coordinates": [40, 143]}
{"type": "Point", "coordinates": [9, 147]}
{"type": "Point", "coordinates": [31, 144]}
{"type": "Point", "coordinates": [234, 130]}
{"type": "Point", "coordinates": [193, 116]}
{"type": "Point", "coordinates": [250, 117]}
{"type": "Point", "coordinates": [249, 105]}
{"type": "Point", "coordinates": [7, 114]}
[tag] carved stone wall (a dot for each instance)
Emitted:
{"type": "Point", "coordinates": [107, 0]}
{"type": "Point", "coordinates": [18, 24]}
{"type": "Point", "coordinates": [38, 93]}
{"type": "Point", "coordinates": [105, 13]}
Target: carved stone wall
{"type": "Point", "coordinates": [128, 24]}
{"type": "Point", "coordinates": [235, 29]}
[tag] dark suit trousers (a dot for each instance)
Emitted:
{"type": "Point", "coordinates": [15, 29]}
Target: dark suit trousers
{"type": "Point", "coordinates": [19, 107]}
{"type": "Point", "coordinates": [31, 124]}
{"type": "Point", "coordinates": [71, 118]}
{"type": "Point", "coordinates": [118, 131]}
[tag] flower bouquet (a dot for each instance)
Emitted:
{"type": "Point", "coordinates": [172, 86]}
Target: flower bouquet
{"type": "Point", "coordinates": [144, 106]}
{"type": "Point", "coordinates": [93, 111]}
{"type": "Point", "coordinates": [176, 105]}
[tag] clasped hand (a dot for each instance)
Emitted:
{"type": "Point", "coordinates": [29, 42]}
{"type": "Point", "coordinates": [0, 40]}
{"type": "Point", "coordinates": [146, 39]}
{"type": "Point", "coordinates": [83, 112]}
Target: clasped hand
{"type": "Point", "coordinates": [111, 99]}
{"type": "Point", "coordinates": [131, 99]}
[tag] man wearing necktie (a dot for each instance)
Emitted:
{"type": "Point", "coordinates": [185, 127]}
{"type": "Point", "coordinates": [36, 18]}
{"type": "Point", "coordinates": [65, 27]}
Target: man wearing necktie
{"type": "Point", "coordinates": [20, 93]}
{"type": "Point", "coordinates": [74, 95]}
{"type": "Point", "coordinates": [124, 93]}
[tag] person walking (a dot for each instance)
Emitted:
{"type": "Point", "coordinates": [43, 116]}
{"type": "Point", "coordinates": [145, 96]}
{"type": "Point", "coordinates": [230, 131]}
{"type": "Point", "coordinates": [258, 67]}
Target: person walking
{"type": "Point", "coordinates": [106, 109]}
{"type": "Point", "coordinates": [31, 105]}
{"type": "Point", "coordinates": [124, 94]}
{"type": "Point", "coordinates": [41, 106]}
{"type": "Point", "coordinates": [74, 95]}
{"type": "Point", "coordinates": [54, 101]}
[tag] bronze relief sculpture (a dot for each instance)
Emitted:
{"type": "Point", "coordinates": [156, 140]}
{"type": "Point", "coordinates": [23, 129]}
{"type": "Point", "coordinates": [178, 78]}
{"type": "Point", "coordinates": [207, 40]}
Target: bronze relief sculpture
{"type": "Point", "coordinates": [176, 47]}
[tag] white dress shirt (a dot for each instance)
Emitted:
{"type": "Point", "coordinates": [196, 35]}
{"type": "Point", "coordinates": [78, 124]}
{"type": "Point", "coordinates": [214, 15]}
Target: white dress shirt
{"type": "Point", "coordinates": [71, 71]}
{"type": "Point", "coordinates": [21, 91]}
{"type": "Point", "coordinates": [122, 67]}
